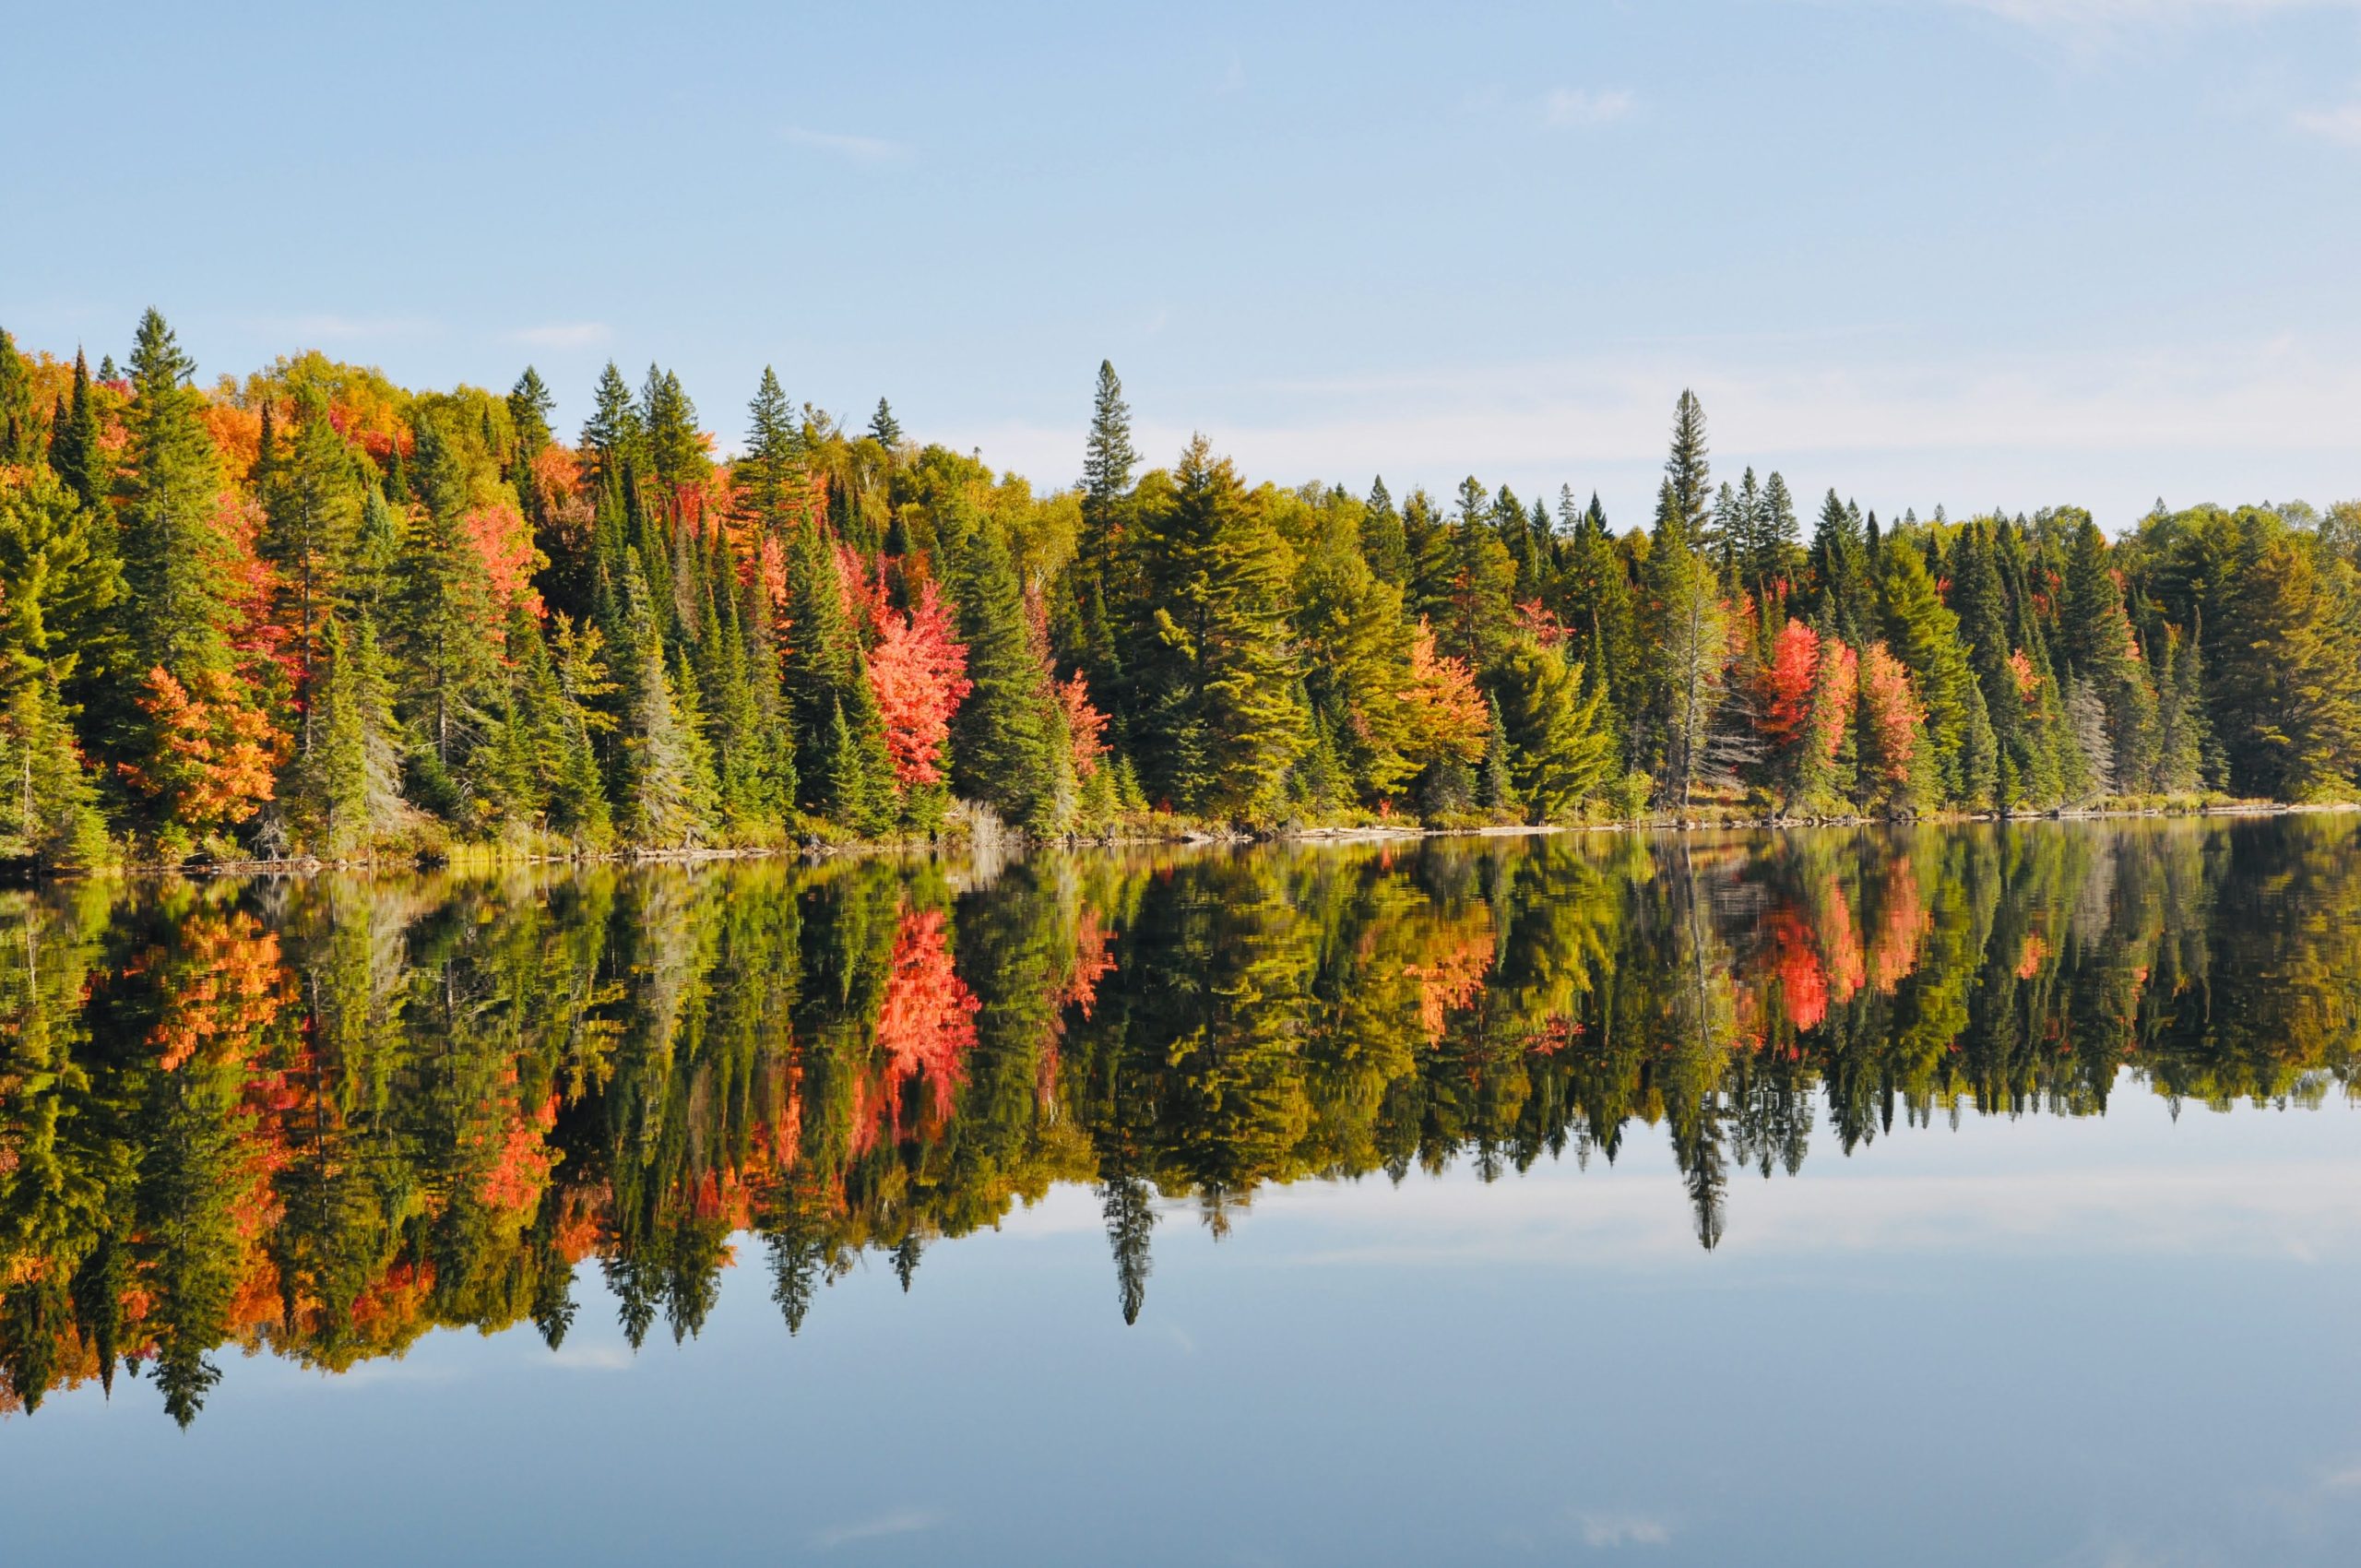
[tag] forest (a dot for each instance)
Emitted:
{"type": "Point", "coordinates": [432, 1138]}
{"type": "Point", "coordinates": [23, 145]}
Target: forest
{"type": "Point", "coordinates": [322, 1116]}
{"type": "Point", "coordinates": [311, 615]}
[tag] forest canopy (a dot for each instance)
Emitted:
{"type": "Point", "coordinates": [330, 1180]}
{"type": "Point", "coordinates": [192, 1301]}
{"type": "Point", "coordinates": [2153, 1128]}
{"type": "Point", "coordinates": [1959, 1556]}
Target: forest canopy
{"type": "Point", "coordinates": [311, 613]}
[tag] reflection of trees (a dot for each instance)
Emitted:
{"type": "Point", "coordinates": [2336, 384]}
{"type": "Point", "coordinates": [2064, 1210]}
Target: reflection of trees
{"type": "Point", "coordinates": [326, 1117]}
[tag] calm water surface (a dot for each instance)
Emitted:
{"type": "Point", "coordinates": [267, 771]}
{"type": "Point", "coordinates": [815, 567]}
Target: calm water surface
{"type": "Point", "coordinates": [1939, 1196]}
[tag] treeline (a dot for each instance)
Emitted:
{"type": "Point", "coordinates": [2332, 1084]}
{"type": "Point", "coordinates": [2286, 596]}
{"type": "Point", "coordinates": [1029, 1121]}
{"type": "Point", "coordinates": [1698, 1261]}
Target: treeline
{"type": "Point", "coordinates": [311, 613]}
{"type": "Point", "coordinates": [321, 1117]}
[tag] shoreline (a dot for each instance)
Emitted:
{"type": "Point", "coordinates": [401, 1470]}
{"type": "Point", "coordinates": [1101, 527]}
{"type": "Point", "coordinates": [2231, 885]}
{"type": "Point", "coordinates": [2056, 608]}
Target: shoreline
{"type": "Point", "coordinates": [815, 853]}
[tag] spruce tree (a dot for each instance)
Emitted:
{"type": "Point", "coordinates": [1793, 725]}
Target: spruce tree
{"type": "Point", "coordinates": [348, 786]}
{"type": "Point", "coordinates": [1003, 740]}
{"type": "Point", "coordinates": [1687, 471]}
{"type": "Point", "coordinates": [52, 800]}
{"type": "Point", "coordinates": [1382, 540]}
{"type": "Point", "coordinates": [675, 447]}
{"type": "Point", "coordinates": [768, 476]}
{"type": "Point", "coordinates": [1108, 456]}
{"type": "Point", "coordinates": [1923, 634]}
{"type": "Point", "coordinates": [1840, 570]}
{"type": "Point", "coordinates": [23, 443]}
{"type": "Point", "coordinates": [74, 452]}
{"type": "Point", "coordinates": [313, 514]}
{"type": "Point", "coordinates": [176, 564]}
{"type": "Point", "coordinates": [1558, 753]}
{"type": "Point", "coordinates": [530, 404]}
{"type": "Point", "coordinates": [442, 605]}
{"type": "Point", "coordinates": [664, 778]}
{"type": "Point", "coordinates": [1776, 536]}
{"type": "Point", "coordinates": [883, 428]}
{"type": "Point", "coordinates": [613, 437]}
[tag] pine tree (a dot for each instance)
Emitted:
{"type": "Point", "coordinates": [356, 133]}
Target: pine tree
{"type": "Point", "coordinates": [23, 443]}
{"type": "Point", "coordinates": [175, 561]}
{"type": "Point", "coordinates": [1689, 636]}
{"type": "Point", "coordinates": [530, 404]}
{"type": "Point", "coordinates": [1494, 790]}
{"type": "Point", "coordinates": [442, 611]}
{"type": "Point", "coordinates": [1776, 537]}
{"type": "Point", "coordinates": [614, 437]}
{"type": "Point", "coordinates": [348, 789]}
{"type": "Point", "coordinates": [2181, 726]}
{"type": "Point", "coordinates": [60, 584]}
{"type": "Point", "coordinates": [1226, 628]}
{"type": "Point", "coordinates": [1471, 608]}
{"type": "Point", "coordinates": [883, 428]}
{"type": "Point", "coordinates": [1006, 738]}
{"type": "Point", "coordinates": [665, 780]}
{"type": "Point", "coordinates": [1688, 473]}
{"type": "Point", "coordinates": [1840, 570]}
{"type": "Point", "coordinates": [2287, 698]}
{"type": "Point", "coordinates": [1383, 544]}
{"type": "Point", "coordinates": [1558, 753]}
{"type": "Point", "coordinates": [1108, 456]}
{"type": "Point", "coordinates": [74, 452]}
{"type": "Point", "coordinates": [51, 812]}
{"type": "Point", "coordinates": [1924, 633]}
{"type": "Point", "coordinates": [675, 447]}
{"type": "Point", "coordinates": [579, 806]}
{"type": "Point", "coordinates": [770, 476]}
{"type": "Point", "coordinates": [312, 517]}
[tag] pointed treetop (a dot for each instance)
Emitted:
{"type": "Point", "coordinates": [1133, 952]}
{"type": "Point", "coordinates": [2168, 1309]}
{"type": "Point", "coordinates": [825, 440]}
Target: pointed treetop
{"type": "Point", "coordinates": [884, 427]}
{"type": "Point", "coordinates": [1109, 457]}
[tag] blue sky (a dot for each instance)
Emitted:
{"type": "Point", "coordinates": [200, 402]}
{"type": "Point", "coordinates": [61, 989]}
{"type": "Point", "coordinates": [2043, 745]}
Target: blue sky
{"type": "Point", "coordinates": [1966, 252]}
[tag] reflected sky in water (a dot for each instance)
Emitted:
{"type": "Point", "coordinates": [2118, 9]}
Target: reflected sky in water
{"type": "Point", "coordinates": [1402, 1160]}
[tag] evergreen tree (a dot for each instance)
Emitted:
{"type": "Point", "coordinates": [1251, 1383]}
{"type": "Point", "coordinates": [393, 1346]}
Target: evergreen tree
{"type": "Point", "coordinates": [1923, 634]}
{"type": "Point", "coordinates": [74, 451]}
{"type": "Point", "coordinates": [1559, 752]}
{"type": "Point", "coordinates": [23, 443]}
{"type": "Point", "coordinates": [1687, 474]}
{"type": "Point", "coordinates": [614, 437]}
{"type": "Point", "coordinates": [1006, 737]}
{"type": "Point", "coordinates": [1471, 609]}
{"type": "Point", "coordinates": [1108, 456]}
{"type": "Point", "coordinates": [665, 780]}
{"type": "Point", "coordinates": [1221, 581]}
{"type": "Point", "coordinates": [770, 476]}
{"type": "Point", "coordinates": [1840, 570]}
{"type": "Point", "coordinates": [52, 800]}
{"type": "Point", "coordinates": [675, 447]}
{"type": "Point", "coordinates": [442, 606]}
{"type": "Point", "coordinates": [1383, 544]}
{"type": "Point", "coordinates": [313, 514]}
{"type": "Point", "coordinates": [883, 428]}
{"type": "Point", "coordinates": [1776, 537]}
{"type": "Point", "coordinates": [347, 787]}
{"type": "Point", "coordinates": [2182, 732]}
{"type": "Point", "coordinates": [529, 405]}
{"type": "Point", "coordinates": [176, 564]}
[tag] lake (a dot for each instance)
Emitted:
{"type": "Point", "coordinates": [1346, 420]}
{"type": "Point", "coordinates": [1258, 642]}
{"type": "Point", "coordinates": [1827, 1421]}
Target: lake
{"type": "Point", "coordinates": [1965, 1195]}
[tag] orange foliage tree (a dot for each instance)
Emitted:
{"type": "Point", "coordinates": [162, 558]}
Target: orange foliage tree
{"type": "Point", "coordinates": [214, 751]}
{"type": "Point", "coordinates": [919, 673]}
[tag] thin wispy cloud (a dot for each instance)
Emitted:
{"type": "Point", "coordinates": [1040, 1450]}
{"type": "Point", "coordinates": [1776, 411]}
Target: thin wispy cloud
{"type": "Point", "coordinates": [332, 327]}
{"type": "Point", "coordinates": [2067, 15]}
{"type": "Point", "coordinates": [1585, 106]}
{"type": "Point", "coordinates": [845, 144]}
{"type": "Point", "coordinates": [563, 335]}
{"type": "Point", "coordinates": [2341, 125]}
{"type": "Point", "coordinates": [2106, 27]}
{"type": "Point", "coordinates": [1604, 1531]}
{"type": "Point", "coordinates": [898, 1522]}
{"type": "Point", "coordinates": [1233, 80]}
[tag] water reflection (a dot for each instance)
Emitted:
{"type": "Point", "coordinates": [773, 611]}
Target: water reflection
{"type": "Point", "coordinates": [321, 1118]}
